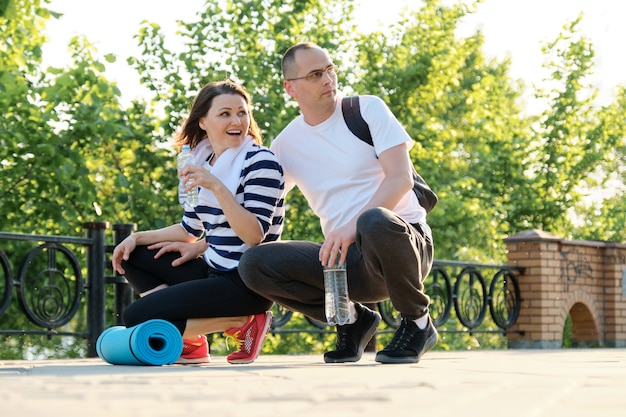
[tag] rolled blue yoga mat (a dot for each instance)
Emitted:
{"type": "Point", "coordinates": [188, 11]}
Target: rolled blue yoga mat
{"type": "Point", "coordinates": [155, 342]}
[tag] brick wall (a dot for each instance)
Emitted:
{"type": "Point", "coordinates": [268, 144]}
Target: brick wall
{"type": "Point", "coordinates": [582, 279]}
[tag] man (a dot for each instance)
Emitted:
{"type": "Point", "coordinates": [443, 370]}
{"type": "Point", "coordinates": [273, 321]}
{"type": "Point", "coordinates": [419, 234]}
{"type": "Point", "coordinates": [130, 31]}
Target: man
{"type": "Point", "coordinates": [368, 213]}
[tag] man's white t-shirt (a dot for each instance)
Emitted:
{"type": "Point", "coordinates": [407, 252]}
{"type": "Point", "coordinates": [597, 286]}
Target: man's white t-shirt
{"type": "Point", "coordinates": [337, 172]}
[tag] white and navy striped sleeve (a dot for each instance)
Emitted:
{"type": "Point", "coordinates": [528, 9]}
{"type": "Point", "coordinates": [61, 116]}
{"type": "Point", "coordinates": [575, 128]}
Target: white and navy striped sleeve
{"type": "Point", "coordinates": [263, 188]}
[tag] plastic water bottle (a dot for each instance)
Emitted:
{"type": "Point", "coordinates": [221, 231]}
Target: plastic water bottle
{"type": "Point", "coordinates": [337, 301]}
{"type": "Point", "coordinates": [186, 199]}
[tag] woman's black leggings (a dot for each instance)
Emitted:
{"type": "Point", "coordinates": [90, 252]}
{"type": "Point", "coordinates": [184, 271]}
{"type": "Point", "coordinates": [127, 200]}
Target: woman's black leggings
{"type": "Point", "coordinates": [194, 290]}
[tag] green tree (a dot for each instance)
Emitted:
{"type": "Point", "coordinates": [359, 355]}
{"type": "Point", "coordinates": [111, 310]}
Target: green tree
{"type": "Point", "coordinates": [572, 143]}
{"type": "Point", "coordinates": [567, 144]}
{"type": "Point", "coordinates": [70, 153]}
{"type": "Point", "coordinates": [601, 214]}
{"type": "Point", "coordinates": [462, 112]}
{"type": "Point", "coordinates": [497, 171]}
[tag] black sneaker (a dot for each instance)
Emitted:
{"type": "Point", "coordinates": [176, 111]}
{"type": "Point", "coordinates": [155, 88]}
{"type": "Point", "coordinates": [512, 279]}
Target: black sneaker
{"type": "Point", "coordinates": [352, 338]}
{"type": "Point", "coordinates": [409, 343]}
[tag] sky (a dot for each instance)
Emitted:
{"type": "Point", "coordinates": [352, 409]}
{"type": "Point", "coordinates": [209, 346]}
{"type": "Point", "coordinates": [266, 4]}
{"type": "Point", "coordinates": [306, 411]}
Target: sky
{"type": "Point", "coordinates": [512, 28]}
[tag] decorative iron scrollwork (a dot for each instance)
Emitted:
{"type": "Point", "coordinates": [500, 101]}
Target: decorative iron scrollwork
{"type": "Point", "coordinates": [50, 285]}
{"type": "Point", "coordinates": [6, 282]}
{"type": "Point", "coordinates": [281, 317]}
{"type": "Point", "coordinates": [470, 297]}
{"type": "Point", "coordinates": [389, 314]}
{"type": "Point", "coordinates": [504, 299]}
{"type": "Point", "coordinates": [439, 289]}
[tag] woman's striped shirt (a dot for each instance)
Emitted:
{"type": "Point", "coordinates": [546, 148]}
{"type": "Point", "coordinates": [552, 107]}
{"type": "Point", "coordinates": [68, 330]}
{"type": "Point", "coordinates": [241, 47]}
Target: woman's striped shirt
{"type": "Point", "coordinates": [260, 191]}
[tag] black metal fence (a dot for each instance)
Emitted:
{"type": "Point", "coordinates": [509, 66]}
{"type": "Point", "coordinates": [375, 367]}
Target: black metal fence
{"type": "Point", "coordinates": [469, 292]}
{"type": "Point", "coordinates": [51, 283]}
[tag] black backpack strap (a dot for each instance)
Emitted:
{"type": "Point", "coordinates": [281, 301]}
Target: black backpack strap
{"type": "Point", "coordinates": [352, 116]}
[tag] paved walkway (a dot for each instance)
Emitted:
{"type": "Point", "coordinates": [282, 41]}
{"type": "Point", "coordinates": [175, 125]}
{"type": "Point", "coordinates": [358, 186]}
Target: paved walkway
{"type": "Point", "coordinates": [528, 383]}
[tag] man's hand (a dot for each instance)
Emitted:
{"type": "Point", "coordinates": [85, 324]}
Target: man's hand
{"type": "Point", "coordinates": [188, 250]}
{"type": "Point", "coordinates": [337, 241]}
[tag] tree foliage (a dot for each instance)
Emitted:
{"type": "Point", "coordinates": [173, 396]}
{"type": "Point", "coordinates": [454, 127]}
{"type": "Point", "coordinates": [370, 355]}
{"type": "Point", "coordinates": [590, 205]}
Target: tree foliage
{"type": "Point", "coordinates": [70, 153]}
{"type": "Point", "coordinates": [572, 141]}
{"type": "Point", "coordinates": [462, 112]}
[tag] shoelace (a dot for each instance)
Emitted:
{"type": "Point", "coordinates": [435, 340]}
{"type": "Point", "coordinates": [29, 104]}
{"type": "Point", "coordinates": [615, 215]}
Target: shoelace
{"type": "Point", "coordinates": [234, 338]}
{"type": "Point", "coordinates": [342, 337]}
{"type": "Point", "coordinates": [241, 343]}
{"type": "Point", "coordinates": [401, 338]}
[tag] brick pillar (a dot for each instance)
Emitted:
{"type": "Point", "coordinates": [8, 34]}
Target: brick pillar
{"type": "Point", "coordinates": [615, 294]}
{"type": "Point", "coordinates": [540, 320]}
{"type": "Point", "coordinates": [583, 279]}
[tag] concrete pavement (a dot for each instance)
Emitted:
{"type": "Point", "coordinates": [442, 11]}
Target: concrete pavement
{"type": "Point", "coordinates": [512, 383]}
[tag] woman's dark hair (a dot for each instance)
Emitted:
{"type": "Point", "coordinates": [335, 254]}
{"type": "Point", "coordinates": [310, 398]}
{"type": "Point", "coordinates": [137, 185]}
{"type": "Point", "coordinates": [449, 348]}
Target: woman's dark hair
{"type": "Point", "coordinates": [191, 132]}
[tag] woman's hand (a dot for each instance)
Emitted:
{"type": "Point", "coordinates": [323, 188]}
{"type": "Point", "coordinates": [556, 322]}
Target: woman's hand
{"type": "Point", "coordinates": [171, 234]}
{"type": "Point", "coordinates": [188, 250]}
{"type": "Point", "coordinates": [243, 222]}
{"type": "Point", "coordinates": [196, 176]}
{"type": "Point", "coordinates": [122, 252]}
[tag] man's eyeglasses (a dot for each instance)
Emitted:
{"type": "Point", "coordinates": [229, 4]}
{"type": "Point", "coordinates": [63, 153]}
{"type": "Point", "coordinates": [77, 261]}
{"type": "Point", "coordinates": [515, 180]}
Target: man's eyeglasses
{"type": "Point", "coordinates": [317, 74]}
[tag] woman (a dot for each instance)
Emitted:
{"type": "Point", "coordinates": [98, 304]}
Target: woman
{"type": "Point", "coordinates": [193, 283]}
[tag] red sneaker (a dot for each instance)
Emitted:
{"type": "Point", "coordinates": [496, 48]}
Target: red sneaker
{"type": "Point", "coordinates": [249, 338]}
{"type": "Point", "coordinates": [195, 351]}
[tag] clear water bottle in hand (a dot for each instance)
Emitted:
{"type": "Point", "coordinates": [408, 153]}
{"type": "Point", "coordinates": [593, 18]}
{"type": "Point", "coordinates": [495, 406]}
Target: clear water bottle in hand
{"type": "Point", "coordinates": [187, 199]}
{"type": "Point", "coordinates": [337, 301]}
